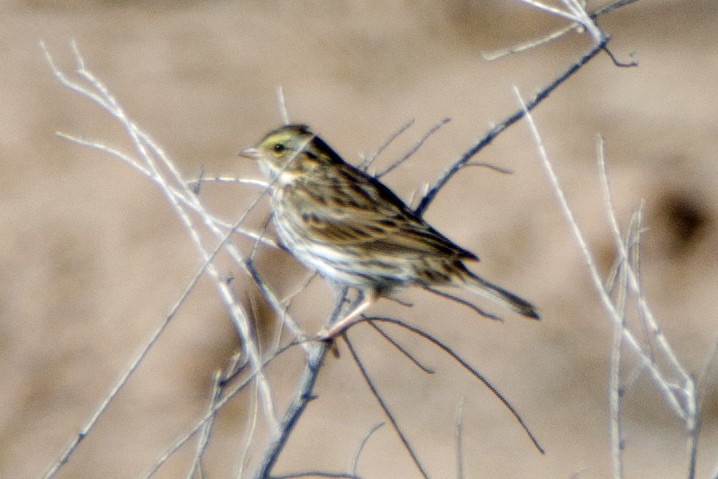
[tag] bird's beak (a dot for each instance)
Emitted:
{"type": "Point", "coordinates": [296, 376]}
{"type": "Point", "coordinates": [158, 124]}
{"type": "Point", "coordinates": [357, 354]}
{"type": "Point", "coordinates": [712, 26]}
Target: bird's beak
{"type": "Point", "coordinates": [252, 153]}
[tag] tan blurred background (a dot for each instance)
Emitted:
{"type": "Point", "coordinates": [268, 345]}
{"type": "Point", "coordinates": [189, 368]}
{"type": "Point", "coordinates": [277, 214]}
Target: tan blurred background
{"type": "Point", "coordinates": [92, 258]}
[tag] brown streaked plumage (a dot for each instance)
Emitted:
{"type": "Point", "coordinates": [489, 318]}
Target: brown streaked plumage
{"type": "Point", "coordinates": [351, 228]}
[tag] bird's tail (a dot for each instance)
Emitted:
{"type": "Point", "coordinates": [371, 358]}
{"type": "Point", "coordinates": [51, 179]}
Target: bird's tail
{"type": "Point", "coordinates": [489, 290]}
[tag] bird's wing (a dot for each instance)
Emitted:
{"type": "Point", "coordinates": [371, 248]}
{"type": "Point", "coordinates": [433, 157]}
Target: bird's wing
{"type": "Point", "coordinates": [359, 210]}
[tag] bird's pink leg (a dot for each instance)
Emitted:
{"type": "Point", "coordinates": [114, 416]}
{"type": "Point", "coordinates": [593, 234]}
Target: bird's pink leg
{"type": "Point", "coordinates": [347, 321]}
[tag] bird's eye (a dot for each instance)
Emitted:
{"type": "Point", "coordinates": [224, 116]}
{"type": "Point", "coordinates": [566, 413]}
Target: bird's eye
{"type": "Point", "coordinates": [279, 147]}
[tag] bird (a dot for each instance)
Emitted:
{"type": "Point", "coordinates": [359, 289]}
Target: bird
{"type": "Point", "coordinates": [352, 229]}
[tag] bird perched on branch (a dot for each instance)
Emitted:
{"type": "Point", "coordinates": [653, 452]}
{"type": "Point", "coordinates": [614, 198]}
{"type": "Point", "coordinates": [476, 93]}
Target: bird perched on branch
{"type": "Point", "coordinates": [352, 229]}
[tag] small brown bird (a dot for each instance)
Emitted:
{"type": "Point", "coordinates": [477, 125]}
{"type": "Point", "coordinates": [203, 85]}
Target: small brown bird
{"type": "Point", "coordinates": [352, 229]}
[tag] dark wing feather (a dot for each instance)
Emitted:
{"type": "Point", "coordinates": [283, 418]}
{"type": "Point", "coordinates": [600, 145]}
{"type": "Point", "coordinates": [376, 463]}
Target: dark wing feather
{"type": "Point", "coordinates": [359, 210]}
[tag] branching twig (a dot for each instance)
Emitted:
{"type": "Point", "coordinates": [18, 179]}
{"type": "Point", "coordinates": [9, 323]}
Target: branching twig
{"type": "Point", "coordinates": [385, 408]}
{"type": "Point", "coordinates": [614, 387]}
{"type": "Point", "coordinates": [462, 302]}
{"type": "Point", "coordinates": [114, 391]}
{"type": "Point", "coordinates": [470, 369]}
{"type": "Point", "coordinates": [414, 149]}
{"type": "Point", "coordinates": [577, 24]}
{"type": "Point", "coordinates": [647, 358]}
{"type": "Point", "coordinates": [153, 161]}
{"type": "Point", "coordinates": [456, 166]}
{"type": "Point", "coordinates": [681, 398]}
{"type": "Point", "coordinates": [150, 160]}
{"type": "Point", "coordinates": [302, 396]}
{"type": "Point", "coordinates": [364, 165]}
{"type": "Point", "coordinates": [400, 348]}
{"type": "Point", "coordinates": [311, 474]}
{"type": "Point", "coordinates": [209, 415]}
{"type": "Point", "coordinates": [203, 442]}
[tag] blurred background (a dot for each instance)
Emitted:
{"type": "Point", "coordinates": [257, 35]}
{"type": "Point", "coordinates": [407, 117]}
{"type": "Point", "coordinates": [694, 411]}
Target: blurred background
{"type": "Point", "coordinates": [92, 257]}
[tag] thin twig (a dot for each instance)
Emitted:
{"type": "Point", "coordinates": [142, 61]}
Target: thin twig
{"type": "Point", "coordinates": [364, 165]}
{"type": "Point", "coordinates": [529, 45]}
{"type": "Point", "coordinates": [199, 425]}
{"type": "Point", "coordinates": [400, 348]}
{"type": "Point", "coordinates": [615, 389]}
{"type": "Point", "coordinates": [282, 105]}
{"type": "Point", "coordinates": [692, 427]}
{"type": "Point", "coordinates": [414, 149]}
{"type": "Point", "coordinates": [668, 391]}
{"type": "Point", "coordinates": [385, 408]}
{"type": "Point", "coordinates": [154, 158]}
{"type": "Point", "coordinates": [470, 369]}
{"type": "Point", "coordinates": [663, 385]}
{"type": "Point", "coordinates": [129, 371]}
{"type": "Point", "coordinates": [456, 166]}
{"type": "Point", "coordinates": [574, 25]}
{"type": "Point", "coordinates": [463, 302]}
{"type": "Point", "coordinates": [362, 444]}
{"type": "Point", "coordinates": [567, 15]}
{"type": "Point", "coordinates": [200, 180]}
{"type": "Point", "coordinates": [481, 164]}
{"type": "Point", "coordinates": [459, 428]}
{"type": "Point", "coordinates": [317, 351]}
{"type": "Point", "coordinates": [332, 475]}
{"type": "Point", "coordinates": [251, 428]}
{"type": "Point", "coordinates": [203, 442]}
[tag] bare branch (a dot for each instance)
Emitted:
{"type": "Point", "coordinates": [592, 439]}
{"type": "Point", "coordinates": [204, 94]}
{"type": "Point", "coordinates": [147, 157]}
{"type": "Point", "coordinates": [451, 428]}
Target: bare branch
{"type": "Point", "coordinates": [163, 172]}
{"type": "Point", "coordinates": [459, 428]}
{"type": "Point", "coordinates": [226, 179]}
{"type": "Point", "coordinates": [282, 106]}
{"type": "Point", "coordinates": [218, 405]}
{"type": "Point", "coordinates": [595, 276]}
{"type": "Point", "coordinates": [334, 475]}
{"type": "Point", "coordinates": [400, 348]}
{"type": "Point", "coordinates": [203, 442]}
{"type": "Point", "coordinates": [577, 24]}
{"type": "Point", "coordinates": [362, 444]}
{"type": "Point", "coordinates": [368, 162]}
{"type": "Point", "coordinates": [317, 351]}
{"type": "Point", "coordinates": [470, 369]}
{"type": "Point", "coordinates": [414, 149]}
{"type": "Point", "coordinates": [456, 166]}
{"type": "Point", "coordinates": [385, 408]}
{"type": "Point", "coordinates": [680, 397]}
{"type": "Point", "coordinates": [463, 302]}
{"type": "Point", "coordinates": [149, 159]}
